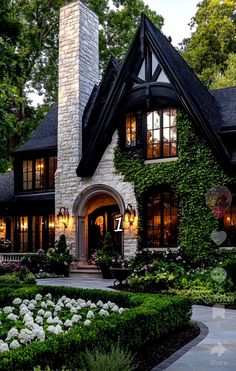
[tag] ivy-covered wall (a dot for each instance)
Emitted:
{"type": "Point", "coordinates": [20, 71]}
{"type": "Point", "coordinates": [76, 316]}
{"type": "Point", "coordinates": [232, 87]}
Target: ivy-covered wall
{"type": "Point", "coordinates": [195, 172]}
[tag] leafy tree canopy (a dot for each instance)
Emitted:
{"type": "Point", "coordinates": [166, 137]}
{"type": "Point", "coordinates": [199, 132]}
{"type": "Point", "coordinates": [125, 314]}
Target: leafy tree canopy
{"type": "Point", "coordinates": [228, 78]}
{"type": "Point", "coordinates": [29, 57]}
{"type": "Point", "coordinates": [213, 38]}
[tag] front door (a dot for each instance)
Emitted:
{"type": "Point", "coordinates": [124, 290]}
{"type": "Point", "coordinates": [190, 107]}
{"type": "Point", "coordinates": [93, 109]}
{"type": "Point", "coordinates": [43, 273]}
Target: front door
{"type": "Point", "coordinates": [101, 221]}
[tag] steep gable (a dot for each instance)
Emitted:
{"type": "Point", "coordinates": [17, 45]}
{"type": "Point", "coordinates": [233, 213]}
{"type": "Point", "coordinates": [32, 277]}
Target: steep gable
{"type": "Point", "coordinates": [193, 95]}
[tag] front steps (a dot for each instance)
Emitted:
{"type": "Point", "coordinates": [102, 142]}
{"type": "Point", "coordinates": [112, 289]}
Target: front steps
{"type": "Point", "coordinates": [84, 270]}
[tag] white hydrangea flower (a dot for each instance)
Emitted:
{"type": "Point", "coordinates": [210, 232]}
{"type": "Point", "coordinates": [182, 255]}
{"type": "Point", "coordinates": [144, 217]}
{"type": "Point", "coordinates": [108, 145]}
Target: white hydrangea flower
{"type": "Point", "coordinates": [38, 333]}
{"type": "Point", "coordinates": [68, 323]}
{"type": "Point", "coordinates": [93, 305]}
{"type": "Point", "coordinates": [73, 310]}
{"type": "Point", "coordinates": [56, 319]}
{"type": "Point", "coordinates": [58, 329]}
{"type": "Point", "coordinates": [58, 307]}
{"type": "Point", "coordinates": [87, 322]}
{"type": "Point", "coordinates": [51, 328]}
{"type": "Point", "coordinates": [26, 301]}
{"type": "Point", "coordinates": [115, 308]}
{"type": "Point", "coordinates": [78, 307]}
{"type": "Point", "coordinates": [17, 301]}
{"type": "Point", "coordinates": [76, 318]}
{"type": "Point", "coordinates": [63, 298]}
{"type": "Point", "coordinates": [41, 312]}
{"type": "Point", "coordinates": [43, 304]}
{"type": "Point", "coordinates": [82, 305]}
{"type": "Point", "coordinates": [50, 303]}
{"type": "Point", "coordinates": [28, 318]}
{"type": "Point", "coordinates": [7, 310]}
{"type": "Point", "coordinates": [67, 300]}
{"type": "Point", "coordinates": [103, 312]}
{"type": "Point", "coordinates": [3, 346]}
{"type": "Point", "coordinates": [81, 301]}
{"type": "Point", "coordinates": [68, 305]}
{"type": "Point", "coordinates": [48, 296]}
{"type": "Point", "coordinates": [14, 344]}
{"type": "Point", "coordinates": [47, 314]}
{"type": "Point", "coordinates": [121, 310]}
{"type": "Point", "coordinates": [88, 303]}
{"type": "Point", "coordinates": [50, 320]}
{"type": "Point", "coordinates": [73, 302]}
{"type": "Point", "coordinates": [39, 320]}
{"type": "Point", "coordinates": [24, 311]}
{"type": "Point", "coordinates": [105, 306]}
{"type": "Point", "coordinates": [12, 317]}
{"type": "Point", "coordinates": [90, 314]}
{"type": "Point", "coordinates": [99, 303]}
{"type": "Point", "coordinates": [25, 336]}
{"type": "Point", "coordinates": [110, 304]}
{"type": "Point", "coordinates": [38, 297]}
{"type": "Point", "coordinates": [33, 301]}
{"type": "Point", "coordinates": [31, 306]}
{"type": "Point", "coordinates": [13, 332]}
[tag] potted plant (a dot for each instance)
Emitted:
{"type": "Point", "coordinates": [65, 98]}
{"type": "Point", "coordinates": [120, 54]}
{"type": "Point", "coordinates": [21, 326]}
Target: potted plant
{"type": "Point", "coordinates": [106, 255]}
{"type": "Point", "coordinates": [120, 270]}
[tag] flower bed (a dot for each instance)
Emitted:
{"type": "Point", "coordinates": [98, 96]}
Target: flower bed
{"type": "Point", "coordinates": [148, 317]}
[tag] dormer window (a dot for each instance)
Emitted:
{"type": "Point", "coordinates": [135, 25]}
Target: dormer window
{"type": "Point", "coordinates": [38, 173]}
{"type": "Point", "coordinates": [130, 130]}
{"type": "Point", "coordinates": [154, 132]}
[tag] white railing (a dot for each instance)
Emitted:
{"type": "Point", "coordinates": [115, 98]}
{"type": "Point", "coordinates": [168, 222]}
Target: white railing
{"type": "Point", "coordinates": [13, 256]}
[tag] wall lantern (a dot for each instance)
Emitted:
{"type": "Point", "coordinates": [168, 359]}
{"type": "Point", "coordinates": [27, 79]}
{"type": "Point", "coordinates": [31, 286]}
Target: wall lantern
{"type": "Point", "coordinates": [129, 214]}
{"type": "Point", "coordinates": [63, 216]}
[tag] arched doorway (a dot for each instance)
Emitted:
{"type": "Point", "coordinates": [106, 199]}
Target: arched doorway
{"type": "Point", "coordinates": [96, 209]}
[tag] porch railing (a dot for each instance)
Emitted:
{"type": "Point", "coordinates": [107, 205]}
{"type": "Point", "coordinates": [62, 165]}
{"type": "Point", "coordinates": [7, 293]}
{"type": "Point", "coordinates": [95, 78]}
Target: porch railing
{"type": "Point", "coordinates": [13, 256]}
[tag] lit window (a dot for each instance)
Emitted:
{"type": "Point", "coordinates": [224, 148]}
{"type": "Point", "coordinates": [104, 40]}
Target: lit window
{"type": "Point", "coordinates": [230, 223]}
{"type": "Point", "coordinates": [40, 176]}
{"type": "Point", "coordinates": [27, 174]}
{"type": "Point", "coordinates": [130, 130]}
{"type": "Point", "coordinates": [161, 134]}
{"type": "Point", "coordinates": [162, 220]}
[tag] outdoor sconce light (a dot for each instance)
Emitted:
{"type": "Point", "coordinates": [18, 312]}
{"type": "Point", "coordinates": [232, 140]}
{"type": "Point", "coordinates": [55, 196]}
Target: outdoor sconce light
{"type": "Point", "coordinates": [63, 216]}
{"type": "Point", "coordinates": [129, 214]}
{"type": "Point", "coordinates": [2, 228]}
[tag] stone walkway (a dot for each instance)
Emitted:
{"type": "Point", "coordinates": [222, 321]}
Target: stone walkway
{"type": "Point", "coordinates": [214, 349]}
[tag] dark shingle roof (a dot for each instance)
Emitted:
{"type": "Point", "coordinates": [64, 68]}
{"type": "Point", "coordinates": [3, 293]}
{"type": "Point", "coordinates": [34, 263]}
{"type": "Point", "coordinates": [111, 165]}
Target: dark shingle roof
{"type": "Point", "coordinates": [226, 101]}
{"type": "Point", "coordinates": [7, 186]}
{"type": "Point", "coordinates": [45, 135]}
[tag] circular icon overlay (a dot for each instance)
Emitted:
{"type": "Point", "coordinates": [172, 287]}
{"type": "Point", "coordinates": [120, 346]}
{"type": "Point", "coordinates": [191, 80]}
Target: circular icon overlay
{"type": "Point", "coordinates": [218, 212]}
{"type": "Point", "coordinates": [218, 274]}
{"type": "Point", "coordinates": [218, 196]}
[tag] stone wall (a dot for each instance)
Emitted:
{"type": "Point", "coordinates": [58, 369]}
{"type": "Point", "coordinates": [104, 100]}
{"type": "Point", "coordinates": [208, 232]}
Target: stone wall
{"type": "Point", "coordinates": [78, 72]}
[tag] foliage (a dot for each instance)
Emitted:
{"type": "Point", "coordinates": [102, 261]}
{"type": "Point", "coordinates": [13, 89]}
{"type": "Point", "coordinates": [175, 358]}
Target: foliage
{"type": "Point", "coordinates": [149, 317]}
{"type": "Point", "coordinates": [213, 38]}
{"type": "Point", "coordinates": [18, 278]}
{"type": "Point", "coordinates": [59, 258]}
{"type": "Point", "coordinates": [116, 360]}
{"type": "Point", "coordinates": [9, 267]}
{"type": "Point", "coordinates": [152, 282]}
{"type": "Point", "coordinates": [195, 172]}
{"type": "Point", "coordinates": [108, 252]}
{"type": "Point", "coordinates": [228, 77]}
{"type": "Point", "coordinates": [35, 262]}
{"type": "Point", "coordinates": [230, 266]}
{"type": "Point", "coordinates": [29, 58]}
{"type": "Point", "coordinates": [207, 297]}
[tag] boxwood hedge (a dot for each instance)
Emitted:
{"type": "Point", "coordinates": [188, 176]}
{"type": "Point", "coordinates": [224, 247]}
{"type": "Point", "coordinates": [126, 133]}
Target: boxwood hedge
{"type": "Point", "coordinates": [148, 318]}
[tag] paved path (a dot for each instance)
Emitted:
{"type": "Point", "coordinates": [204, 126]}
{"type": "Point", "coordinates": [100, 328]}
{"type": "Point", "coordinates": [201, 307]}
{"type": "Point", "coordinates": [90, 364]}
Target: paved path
{"type": "Point", "coordinates": [214, 349]}
{"type": "Point", "coordinates": [85, 283]}
{"type": "Point", "coordinates": [217, 347]}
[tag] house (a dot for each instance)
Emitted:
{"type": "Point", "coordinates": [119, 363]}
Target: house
{"type": "Point", "coordinates": [133, 154]}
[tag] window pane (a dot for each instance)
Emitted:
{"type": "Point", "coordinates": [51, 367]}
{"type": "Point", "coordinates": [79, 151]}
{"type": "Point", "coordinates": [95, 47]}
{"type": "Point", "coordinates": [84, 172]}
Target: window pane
{"type": "Point", "coordinates": [162, 220]}
{"type": "Point", "coordinates": [131, 131]}
{"type": "Point", "coordinates": [154, 63]}
{"type": "Point", "coordinates": [163, 78]}
{"type": "Point", "coordinates": [230, 223]}
{"type": "Point", "coordinates": [141, 74]}
{"type": "Point", "coordinates": [23, 233]}
{"type": "Point", "coordinates": [27, 174]}
{"type": "Point", "coordinates": [40, 173]}
{"type": "Point", "coordinates": [52, 169]}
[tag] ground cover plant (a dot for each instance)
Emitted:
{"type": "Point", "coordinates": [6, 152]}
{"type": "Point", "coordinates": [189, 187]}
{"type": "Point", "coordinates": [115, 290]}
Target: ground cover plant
{"type": "Point", "coordinates": [147, 318]}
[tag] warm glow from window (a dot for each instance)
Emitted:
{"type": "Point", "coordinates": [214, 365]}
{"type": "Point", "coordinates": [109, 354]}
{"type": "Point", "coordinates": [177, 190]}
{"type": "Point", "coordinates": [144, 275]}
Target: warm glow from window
{"type": "Point", "coordinates": [130, 130]}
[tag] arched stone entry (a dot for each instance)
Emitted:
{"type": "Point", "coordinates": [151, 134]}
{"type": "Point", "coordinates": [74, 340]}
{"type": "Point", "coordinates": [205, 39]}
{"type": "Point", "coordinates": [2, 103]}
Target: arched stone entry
{"type": "Point", "coordinates": [96, 201]}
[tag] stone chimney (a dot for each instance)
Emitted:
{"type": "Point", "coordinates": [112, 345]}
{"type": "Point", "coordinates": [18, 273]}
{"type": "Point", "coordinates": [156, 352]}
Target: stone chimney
{"type": "Point", "coordinates": [78, 72]}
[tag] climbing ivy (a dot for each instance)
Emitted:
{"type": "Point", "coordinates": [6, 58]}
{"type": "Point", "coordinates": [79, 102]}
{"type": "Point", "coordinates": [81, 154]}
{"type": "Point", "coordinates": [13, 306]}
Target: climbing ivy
{"type": "Point", "coordinates": [195, 172]}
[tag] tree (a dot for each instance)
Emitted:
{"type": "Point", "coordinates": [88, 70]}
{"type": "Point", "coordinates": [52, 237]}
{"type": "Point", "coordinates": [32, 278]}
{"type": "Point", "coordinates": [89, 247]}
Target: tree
{"type": "Point", "coordinates": [228, 78]}
{"type": "Point", "coordinates": [209, 46]}
{"type": "Point", "coordinates": [29, 57]}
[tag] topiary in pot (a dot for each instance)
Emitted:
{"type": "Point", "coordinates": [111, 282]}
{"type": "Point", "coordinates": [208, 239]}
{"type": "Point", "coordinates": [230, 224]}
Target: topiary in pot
{"type": "Point", "coordinates": [106, 255]}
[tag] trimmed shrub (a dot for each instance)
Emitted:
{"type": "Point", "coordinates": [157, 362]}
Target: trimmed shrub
{"type": "Point", "coordinates": [148, 318]}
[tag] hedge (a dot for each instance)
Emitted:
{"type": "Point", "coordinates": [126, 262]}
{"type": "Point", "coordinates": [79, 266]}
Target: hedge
{"type": "Point", "coordinates": [148, 318]}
